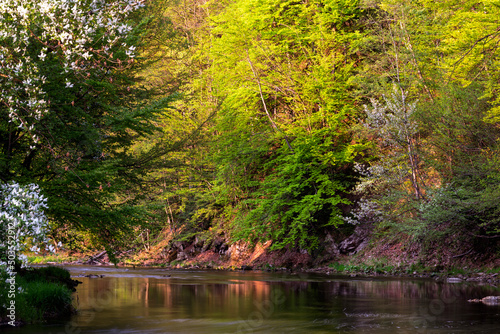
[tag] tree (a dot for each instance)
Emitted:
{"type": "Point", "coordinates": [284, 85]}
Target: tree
{"type": "Point", "coordinates": [283, 149]}
{"type": "Point", "coordinates": [469, 41]}
{"type": "Point", "coordinates": [71, 106]}
{"type": "Point", "coordinates": [394, 125]}
{"type": "Point", "coordinates": [443, 56]}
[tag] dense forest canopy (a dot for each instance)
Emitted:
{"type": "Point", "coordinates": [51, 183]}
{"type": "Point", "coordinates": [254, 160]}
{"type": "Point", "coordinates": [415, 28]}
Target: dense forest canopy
{"type": "Point", "coordinates": [254, 120]}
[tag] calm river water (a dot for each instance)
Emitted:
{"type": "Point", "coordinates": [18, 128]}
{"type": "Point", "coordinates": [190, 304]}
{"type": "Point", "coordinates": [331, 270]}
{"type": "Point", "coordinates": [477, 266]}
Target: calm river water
{"type": "Point", "coordinates": [200, 301]}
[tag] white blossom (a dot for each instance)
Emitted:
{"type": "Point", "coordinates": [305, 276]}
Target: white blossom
{"type": "Point", "coordinates": [86, 55]}
{"type": "Point", "coordinates": [22, 219]}
{"type": "Point", "coordinates": [70, 35]}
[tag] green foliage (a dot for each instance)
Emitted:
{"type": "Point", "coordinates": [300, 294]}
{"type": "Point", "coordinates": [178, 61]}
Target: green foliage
{"type": "Point", "coordinates": [443, 56]}
{"type": "Point", "coordinates": [264, 137]}
{"type": "Point", "coordinates": [458, 140]}
{"type": "Point", "coordinates": [300, 194]}
{"type": "Point", "coordinates": [469, 204]}
{"type": "Point", "coordinates": [53, 258]}
{"type": "Point", "coordinates": [469, 40]}
{"type": "Point", "coordinates": [49, 274]}
{"type": "Point", "coordinates": [339, 267]}
{"type": "Point", "coordinates": [283, 148]}
{"type": "Point", "coordinates": [41, 293]}
{"type": "Point", "coordinates": [378, 267]}
{"type": "Point", "coordinates": [493, 270]}
{"type": "Point", "coordinates": [84, 160]}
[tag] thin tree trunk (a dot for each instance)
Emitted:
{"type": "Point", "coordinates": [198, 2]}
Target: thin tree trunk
{"type": "Point", "coordinates": [264, 104]}
{"type": "Point", "coordinates": [414, 169]}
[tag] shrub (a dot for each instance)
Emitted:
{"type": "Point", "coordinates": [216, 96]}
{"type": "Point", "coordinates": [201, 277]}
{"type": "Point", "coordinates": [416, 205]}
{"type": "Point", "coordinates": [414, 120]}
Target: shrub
{"type": "Point", "coordinates": [47, 274]}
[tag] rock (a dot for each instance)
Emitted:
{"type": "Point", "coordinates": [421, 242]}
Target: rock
{"type": "Point", "coordinates": [181, 256]}
{"type": "Point", "coordinates": [171, 255]}
{"type": "Point", "coordinates": [238, 252]}
{"type": "Point", "coordinates": [93, 276]}
{"type": "Point", "coordinates": [331, 248]}
{"type": "Point", "coordinates": [217, 243]}
{"type": "Point", "coordinates": [454, 280]}
{"type": "Point", "coordinates": [191, 250]}
{"type": "Point", "coordinates": [244, 267]}
{"type": "Point", "coordinates": [356, 242]}
{"type": "Point", "coordinates": [198, 242]}
{"type": "Point", "coordinates": [206, 246]}
{"type": "Point", "coordinates": [223, 249]}
{"type": "Point", "coordinates": [489, 300]}
{"type": "Point", "coordinates": [178, 245]}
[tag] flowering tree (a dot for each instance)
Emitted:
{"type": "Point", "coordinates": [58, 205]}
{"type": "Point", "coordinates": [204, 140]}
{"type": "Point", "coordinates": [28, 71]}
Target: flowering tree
{"type": "Point", "coordinates": [393, 123]}
{"type": "Point", "coordinates": [22, 222]}
{"type": "Point", "coordinates": [70, 106]}
{"type": "Point", "coordinates": [68, 43]}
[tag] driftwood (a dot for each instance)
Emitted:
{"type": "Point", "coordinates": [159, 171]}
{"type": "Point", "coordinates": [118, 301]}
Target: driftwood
{"type": "Point", "coordinates": [98, 258]}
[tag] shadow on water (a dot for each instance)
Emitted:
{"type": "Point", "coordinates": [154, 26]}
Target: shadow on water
{"type": "Point", "coordinates": [170, 301]}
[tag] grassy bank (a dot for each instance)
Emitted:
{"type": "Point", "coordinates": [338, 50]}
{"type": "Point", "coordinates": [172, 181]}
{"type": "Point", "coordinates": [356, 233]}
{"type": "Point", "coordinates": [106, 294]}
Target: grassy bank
{"type": "Point", "coordinates": [52, 258]}
{"type": "Point", "coordinates": [36, 294]}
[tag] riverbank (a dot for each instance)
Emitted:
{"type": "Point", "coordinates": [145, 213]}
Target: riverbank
{"type": "Point", "coordinates": [352, 250]}
{"type": "Point", "coordinates": [240, 256]}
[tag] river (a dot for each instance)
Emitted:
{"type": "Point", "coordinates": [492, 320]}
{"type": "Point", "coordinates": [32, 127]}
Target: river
{"type": "Point", "coordinates": [127, 300]}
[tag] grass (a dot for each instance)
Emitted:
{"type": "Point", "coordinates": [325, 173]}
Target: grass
{"type": "Point", "coordinates": [492, 270]}
{"type": "Point", "coordinates": [55, 258]}
{"type": "Point", "coordinates": [40, 293]}
{"type": "Point", "coordinates": [268, 267]}
{"type": "Point", "coordinates": [383, 267]}
{"type": "Point", "coordinates": [47, 274]}
{"type": "Point", "coordinates": [378, 267]}
{"type": "Point", "coordinates": [339, 267]}
{"type": "Point", "coordinates": [50, 299]}
{"type": "Point", "coordinates": [458, 271]}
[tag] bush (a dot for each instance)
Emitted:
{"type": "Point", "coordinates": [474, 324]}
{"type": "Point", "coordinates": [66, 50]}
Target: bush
{"type": "Point", "coordinates": [47, 274]}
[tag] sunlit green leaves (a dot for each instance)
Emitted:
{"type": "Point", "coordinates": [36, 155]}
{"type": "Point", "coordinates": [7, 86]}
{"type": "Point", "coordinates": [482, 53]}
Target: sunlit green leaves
{"type": "Point", "coordinates": [283, 149]}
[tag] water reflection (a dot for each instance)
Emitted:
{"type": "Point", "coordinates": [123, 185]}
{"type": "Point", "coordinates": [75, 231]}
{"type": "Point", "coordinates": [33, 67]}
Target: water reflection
{"type": "Point", "coordinates": [147, 301]}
